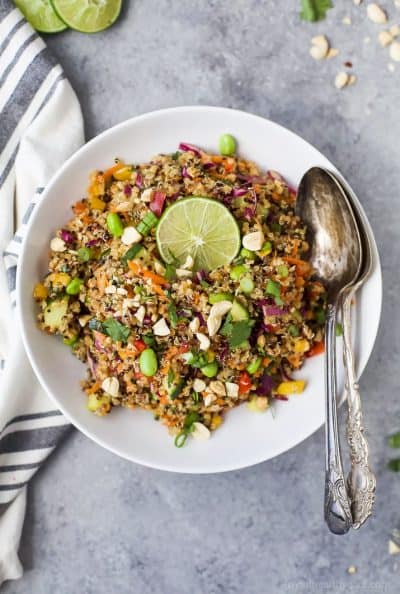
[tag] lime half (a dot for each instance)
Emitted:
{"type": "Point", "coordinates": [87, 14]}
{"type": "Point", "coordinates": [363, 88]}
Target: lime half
{"type": "Point", "coordinates": [41, 15]}
{"type": "Point", "coordinates": [88, 16]}
{"type": "Point", "coordinates": [199, 227]}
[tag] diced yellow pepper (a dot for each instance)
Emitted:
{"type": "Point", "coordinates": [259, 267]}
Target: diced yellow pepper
{"type": "Point", "coordinates": [210, 356]}
{"type": "Point", "coordinates": [293, 387]}
{"type": "Point", "coordinates": [215, 422]}
{"type": "Point", "coordinates": [258, 404]}
{"type": "Point", "coordinates": [40, 292]}
{"type": "Point", "coordinates": [301, 345]}
{"type": "Point", "coordinates": [123, 174]}
{"type": "Point", "coordinates": [96, 203]}
{"type": "Point", "coordinates": [60, 278]}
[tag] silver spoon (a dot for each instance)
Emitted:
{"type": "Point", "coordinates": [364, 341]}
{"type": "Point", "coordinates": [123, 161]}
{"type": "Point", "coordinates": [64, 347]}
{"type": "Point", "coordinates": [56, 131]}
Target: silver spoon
{"type": "Point", "coordinates": [335, 254]}
{"type": "Point", "coordinates": [361, 481]}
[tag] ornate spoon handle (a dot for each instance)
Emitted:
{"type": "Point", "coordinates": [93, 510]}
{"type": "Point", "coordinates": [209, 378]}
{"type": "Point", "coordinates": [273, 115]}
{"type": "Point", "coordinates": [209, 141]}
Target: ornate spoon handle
{"type": "Point", "coordinates": [337, 505]}
{"type": "Point", "coordinates": [361, 481]}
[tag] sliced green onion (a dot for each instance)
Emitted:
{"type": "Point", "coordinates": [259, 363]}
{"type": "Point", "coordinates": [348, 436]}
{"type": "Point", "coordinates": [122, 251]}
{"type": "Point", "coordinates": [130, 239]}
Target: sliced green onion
{"type": "Point", "coordinates": [254, 366]}
{"type": "Point", "coordinates": [147, 223]}
{"type": "Point", "coordinates": [283, 271]}
{"type": "Point", "coordinates": [131, 253]}
{"type": "Point", "coordinates": [339, 329]}
{"type": "Point", "coordinates": [180, 439]}
{"type": "Point", "coordinates": [84, 254]}
{"type": "Point", "coordinates": [246, 285]}
{"type": "Point", "coordinates": [266, 248]}
{"type": "Point", "coordinates": [273, 288]}
{"type": "Point", "coordinates": [173, 316]}
{"type": "Point", "coordinates": [177, 390]}
{"type": "Point", "coordinates": [238, 271]}
{"type": "Point", "coordinates": [247, 254]}
{"type": "Point", "coordinates": [217, 297]}
{"type": "Point", "coordinates": [320, 316]}
{"type": "Point", "coordinates": [293, 330]}
{"type": "Point", "coordinates": [71, 341]}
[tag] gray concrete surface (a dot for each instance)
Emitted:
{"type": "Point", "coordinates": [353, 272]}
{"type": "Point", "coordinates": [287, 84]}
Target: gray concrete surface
{"type": "Point", "coordinates": [100, 525]}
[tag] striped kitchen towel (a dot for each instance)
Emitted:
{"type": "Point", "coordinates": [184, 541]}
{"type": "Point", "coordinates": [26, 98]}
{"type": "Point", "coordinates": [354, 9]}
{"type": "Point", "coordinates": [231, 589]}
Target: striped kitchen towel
{"type": "Point", "coordinates": [41, 126]}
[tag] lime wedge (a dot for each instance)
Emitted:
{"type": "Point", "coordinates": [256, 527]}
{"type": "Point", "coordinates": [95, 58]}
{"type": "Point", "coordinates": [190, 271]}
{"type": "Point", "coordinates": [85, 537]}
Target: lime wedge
{"type": "Point", "coordinates": [88, 16]}
{"type": "Point", "coordinates": [200, 227]}
{"type": "Point", "coordinates": [41, 15]}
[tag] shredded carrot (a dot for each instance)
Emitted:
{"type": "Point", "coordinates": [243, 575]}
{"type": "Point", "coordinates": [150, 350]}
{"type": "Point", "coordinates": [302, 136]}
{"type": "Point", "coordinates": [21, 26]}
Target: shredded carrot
{"type": "Point", "coordinates": [317, 349]}
{"type": "Point", "coordinates": [134, 267]}
{"type": "Point", "coordinates": [266, 361]}
{"type": "Point", "coordinates": [217, 159]}
{"type": "Point", "coordinates": [79, 208]}
{"type": "Point", "coordinates": [94, 388]}
{"type": "Point", "coordinates": [155, 278]}
{"type": "Point", "coordinates": [303, 268]}
{"type": "Point", "coordinates": [157, 289]}
{"type": "Point", "coordinates": [109, 172]}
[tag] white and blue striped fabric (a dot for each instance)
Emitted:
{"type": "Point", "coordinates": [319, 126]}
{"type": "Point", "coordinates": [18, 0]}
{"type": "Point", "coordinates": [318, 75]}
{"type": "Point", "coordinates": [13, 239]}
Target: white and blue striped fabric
{"type": "Point", "coordinates": [40, 126]}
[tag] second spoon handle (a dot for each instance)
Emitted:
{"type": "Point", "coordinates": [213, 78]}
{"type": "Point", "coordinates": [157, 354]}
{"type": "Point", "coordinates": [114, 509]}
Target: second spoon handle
{"type": "Point", "coordinates": [337, 505]}
{"type": "Point", "coordinates": [361, 481]}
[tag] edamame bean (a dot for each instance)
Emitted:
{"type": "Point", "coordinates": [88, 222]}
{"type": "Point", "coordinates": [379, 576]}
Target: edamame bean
{"type": "Point", "coordinates": [148, 362]}
{"type": "Point", "coordinates": [84, 254]}
{"type": "Point", "coordinates": [210, 370]}
{"type": "Point", "coordinates": [227, 145]}
{"type": "Point", "coordinates": [74, 286]}
{"type": "Point", "coordinates": [114, 224]}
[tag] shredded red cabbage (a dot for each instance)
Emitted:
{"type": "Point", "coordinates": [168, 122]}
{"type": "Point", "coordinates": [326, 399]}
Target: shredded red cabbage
{"type": "Point", "coordinates": [209, 165]}
{"type": "Point", "coordinates": [280, 397]}
{"type": "Point", "coordinates": [92, 242]}
{"type": "Point", "coordinates": [67, 236]}
{"type": "Point", "coordinates": [265, 386]}
{"type": "Point", "coordinates": [139, 180]}
{"type": "Point", "coordinates": [201, 275]}
{"type": "Point", "coordinates": [127, 190]}
{"type": "Point", "coordinates": [97, 342]}
{"type": "Point", "coordinates": [185, 173]}
{"type": "Point", "coordinates": [147, 321]}
{"type": "Point", "coordinates": [200, 317]}
{"type": "Point", "coordinates": [236, 192]}
{"type": "Point", "coordinates": [273, 310]}
{"type": "Point", "coordinates": [91, 363]}
{"type": "Point", "coordinates": [184, 146]}
{"type": "Point", "coordinates": [157, 203]}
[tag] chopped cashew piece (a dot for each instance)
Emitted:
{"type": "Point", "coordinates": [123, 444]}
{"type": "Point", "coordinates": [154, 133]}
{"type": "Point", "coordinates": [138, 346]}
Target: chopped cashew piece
{"type": "Point", "coordinates": [111, 386]}
{"type": "Point", "coordinates": [203, 340]}
{"type": "Point", "coordinates": [199, 385]}
{"type": "Point", "coordinates": [333, 52]}
{"type": "Point", "coordinates": [147, 195]}
{"type": "Point", "coordinates": [130, 236]}
{"type": "Point", "coordinates": [376, 14]}
{"type": "Point", "coordinates": [122, 291]}
{"type": "Point", "coordinates": [188, 264]}
{"type": "Point", "coordinates": [217, 311]}
{"type": "Point", "coordinates": [394, 30]}
{"type": "Point", "coordinates": [209, 398]}
{"type": "Point", "coordinates": [200, 431]}
{"type": "Point", "coordinates": [139, 315]}
{"type": "Point", "coordinates": [194, 325]}
{"type": "Point", "coordinates": [83, 320]}
{"type": "Point", "coordinates": [182, 273]}
{"type": "Point", "coordinates": [110, 290]}
{"type": "Point", "coordinates": [232, 389]}
{"type": "Point", "coordinates": [253, 241]}
{"type": "Point", "coordinates": [385, 38]}
{"type": "Point", "coordinates": [357, 2]}
{"type": "Point", "coordinates": [57, 245]}
{"type": "Point", "coordinates": [394, 51]}
{"type": "Point", "coordinates": [341, 80]}
{"type": "Point", "coordinates": [393, 548]}
{"type": "Point", "coordinates": [160, 328]}
{"type": "Point", "coordinates": [218, 388]}
{"type": "Point", "coordinates": [320, 47]}
{"type": "Point", "coordinates": [352, 79]}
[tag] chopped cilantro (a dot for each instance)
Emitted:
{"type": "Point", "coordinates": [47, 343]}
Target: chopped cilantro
{"type": "Point", "coordinates": [314, 10]}
{"type": "Point", "coordinates": [116, 330]}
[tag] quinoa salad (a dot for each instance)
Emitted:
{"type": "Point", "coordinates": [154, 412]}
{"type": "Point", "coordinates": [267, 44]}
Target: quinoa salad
{"type": "Point", "coordinates": [182, 283]}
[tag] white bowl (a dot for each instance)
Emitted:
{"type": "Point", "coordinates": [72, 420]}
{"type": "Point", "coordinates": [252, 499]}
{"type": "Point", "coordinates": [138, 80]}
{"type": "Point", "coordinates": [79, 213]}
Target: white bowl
{"type": "Point", "coordinates": [245, 438]}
